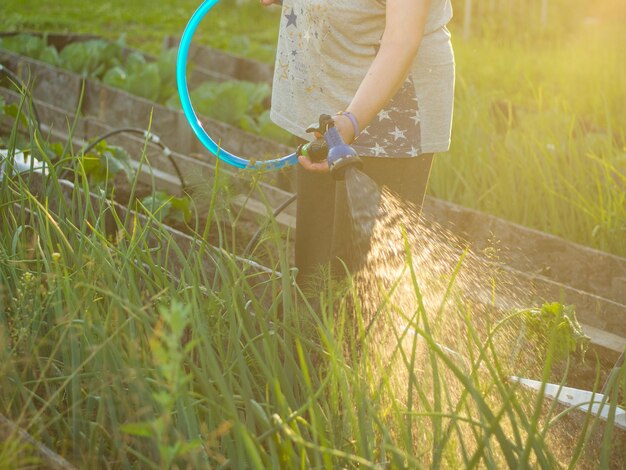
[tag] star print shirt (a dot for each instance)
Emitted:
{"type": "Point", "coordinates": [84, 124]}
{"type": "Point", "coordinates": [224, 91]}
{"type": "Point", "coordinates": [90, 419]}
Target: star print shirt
{"type": "Point", "coordinates": [325, 49]}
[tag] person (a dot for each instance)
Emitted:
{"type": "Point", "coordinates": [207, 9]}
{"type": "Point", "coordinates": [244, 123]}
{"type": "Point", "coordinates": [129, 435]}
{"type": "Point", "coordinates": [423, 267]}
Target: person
{"type": "Point", "coordinates": [385, 70]}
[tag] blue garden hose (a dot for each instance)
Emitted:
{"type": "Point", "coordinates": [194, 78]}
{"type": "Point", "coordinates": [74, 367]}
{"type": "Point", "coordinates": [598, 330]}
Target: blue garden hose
{"type": "Point", "coordinates": [190, 114]}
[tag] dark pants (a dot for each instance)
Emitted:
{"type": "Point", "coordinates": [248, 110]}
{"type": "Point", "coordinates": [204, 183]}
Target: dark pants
{"type": "Point", "coordinates": [323, 220]}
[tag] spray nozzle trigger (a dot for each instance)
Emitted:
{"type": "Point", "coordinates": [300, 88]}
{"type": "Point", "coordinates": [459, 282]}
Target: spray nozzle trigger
{"type": "Point", "coordinates": [340, 154]}
{"type": "Point", "coordinates": [332, 147]}
{"type": "Point", "coordinates": [321, 127]}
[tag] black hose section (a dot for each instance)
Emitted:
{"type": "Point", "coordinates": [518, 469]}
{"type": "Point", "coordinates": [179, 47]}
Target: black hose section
{"type": "Point", "coordinates": [120, 130]}
{"type": "Point", "coordinates": [19, 81]}
{"type": "Point", "coordinates": [257, 234]}
{"type": "Point", "coordinates": [153, 138]}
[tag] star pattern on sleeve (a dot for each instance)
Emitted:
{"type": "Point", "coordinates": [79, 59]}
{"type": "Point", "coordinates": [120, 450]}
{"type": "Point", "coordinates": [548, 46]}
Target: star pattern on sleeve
{"type": "Point", "coordinates": [378, 150]}
{"type": "Point", "coordinates": [416, 118]}
{"type": "Point", "coordinates": [398, 133]}
{"type": "Point", "coordinates": [397, 129]}
{"type": "Point", "coordinates": [384, 114]}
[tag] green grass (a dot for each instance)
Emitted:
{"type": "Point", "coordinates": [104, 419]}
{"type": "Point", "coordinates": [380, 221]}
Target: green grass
{"type": "Point", "coordinates": [247, 29]}
{"type": "Point", "coordinates": [539, 136]}
{"type": "Point", "coordinates": [112, 361]}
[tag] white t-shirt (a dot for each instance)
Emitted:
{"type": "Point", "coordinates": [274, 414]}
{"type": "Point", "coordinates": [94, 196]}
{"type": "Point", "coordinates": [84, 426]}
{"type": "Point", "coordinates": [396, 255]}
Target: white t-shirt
{"type": "Point", "coordinates": [325, 49]}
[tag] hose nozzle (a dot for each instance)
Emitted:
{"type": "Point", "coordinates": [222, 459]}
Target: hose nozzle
{"type": "Point", "coordinates": [340, 155]}
{"type": "Point", "coordinates": [316, 150]}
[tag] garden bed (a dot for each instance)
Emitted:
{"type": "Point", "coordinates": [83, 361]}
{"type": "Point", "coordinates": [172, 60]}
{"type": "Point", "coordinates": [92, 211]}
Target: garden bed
{"type": "Point", "coordinates": [206, 61]}
{"type": "Point", "coordinates": [111, 217]}
{"type": "Point", "coordinates": [110, 361]}
{"type": "Point", "coordinates": [553, 267]}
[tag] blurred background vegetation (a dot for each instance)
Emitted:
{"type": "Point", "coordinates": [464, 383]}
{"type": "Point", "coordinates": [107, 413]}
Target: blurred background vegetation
{"type": "Point", "coordinates": [539, 127]}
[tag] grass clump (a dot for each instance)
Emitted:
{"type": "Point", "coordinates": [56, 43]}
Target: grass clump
{"type": "Point", "coordinates": [538, 134]}
{"type": "Point", "coordinates": [120, 347]}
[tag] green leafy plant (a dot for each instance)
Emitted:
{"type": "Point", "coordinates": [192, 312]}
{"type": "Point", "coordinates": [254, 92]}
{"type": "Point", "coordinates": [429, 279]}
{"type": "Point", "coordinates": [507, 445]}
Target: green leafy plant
{"type": "Point", "coordinates": [92, 58]}
{"type": "Point", "coordinates": [169, 354]}
{"type": "Point", "coordinates": [229, 101]}
{"type": "Point", "coordinates": [166, 63]}
{"type": "Point", "coordinates": [31, 46]}
{"type": "Point", "coordinates": [137, 77]}
{"type": "Point", "coordinates": [12, 111]}
{"type": "Point", "coordinates": [237, 102]}
{"type": "Point", "coordinates": [163, 205]}
{"type": "Point", "coordinates": [106, 161]}
{"type": "Point", "coordinates": [263, 125]}
{"type": "Point", "coordinates": [555, 322]}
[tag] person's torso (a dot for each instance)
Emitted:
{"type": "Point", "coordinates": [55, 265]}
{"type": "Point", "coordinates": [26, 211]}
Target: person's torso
{"type": "Point", "coordinates": [325, 49]}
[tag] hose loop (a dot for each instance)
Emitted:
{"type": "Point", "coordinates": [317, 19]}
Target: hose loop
{"type": "Point", "coordinates": [190, 114]}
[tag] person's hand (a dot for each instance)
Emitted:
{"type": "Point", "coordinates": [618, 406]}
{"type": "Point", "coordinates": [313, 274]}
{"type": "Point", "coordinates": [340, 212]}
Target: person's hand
{"type": "Point", "coordinates": [315, 167]}
{"type": "Point", "coordinates": [267, 3]}
{"type": "Point", "coordinates": [346, 130]}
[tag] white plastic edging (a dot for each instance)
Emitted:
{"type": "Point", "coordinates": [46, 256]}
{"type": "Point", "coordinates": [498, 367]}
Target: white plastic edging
{"type": "Point", "coordinates": [584, 400]}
